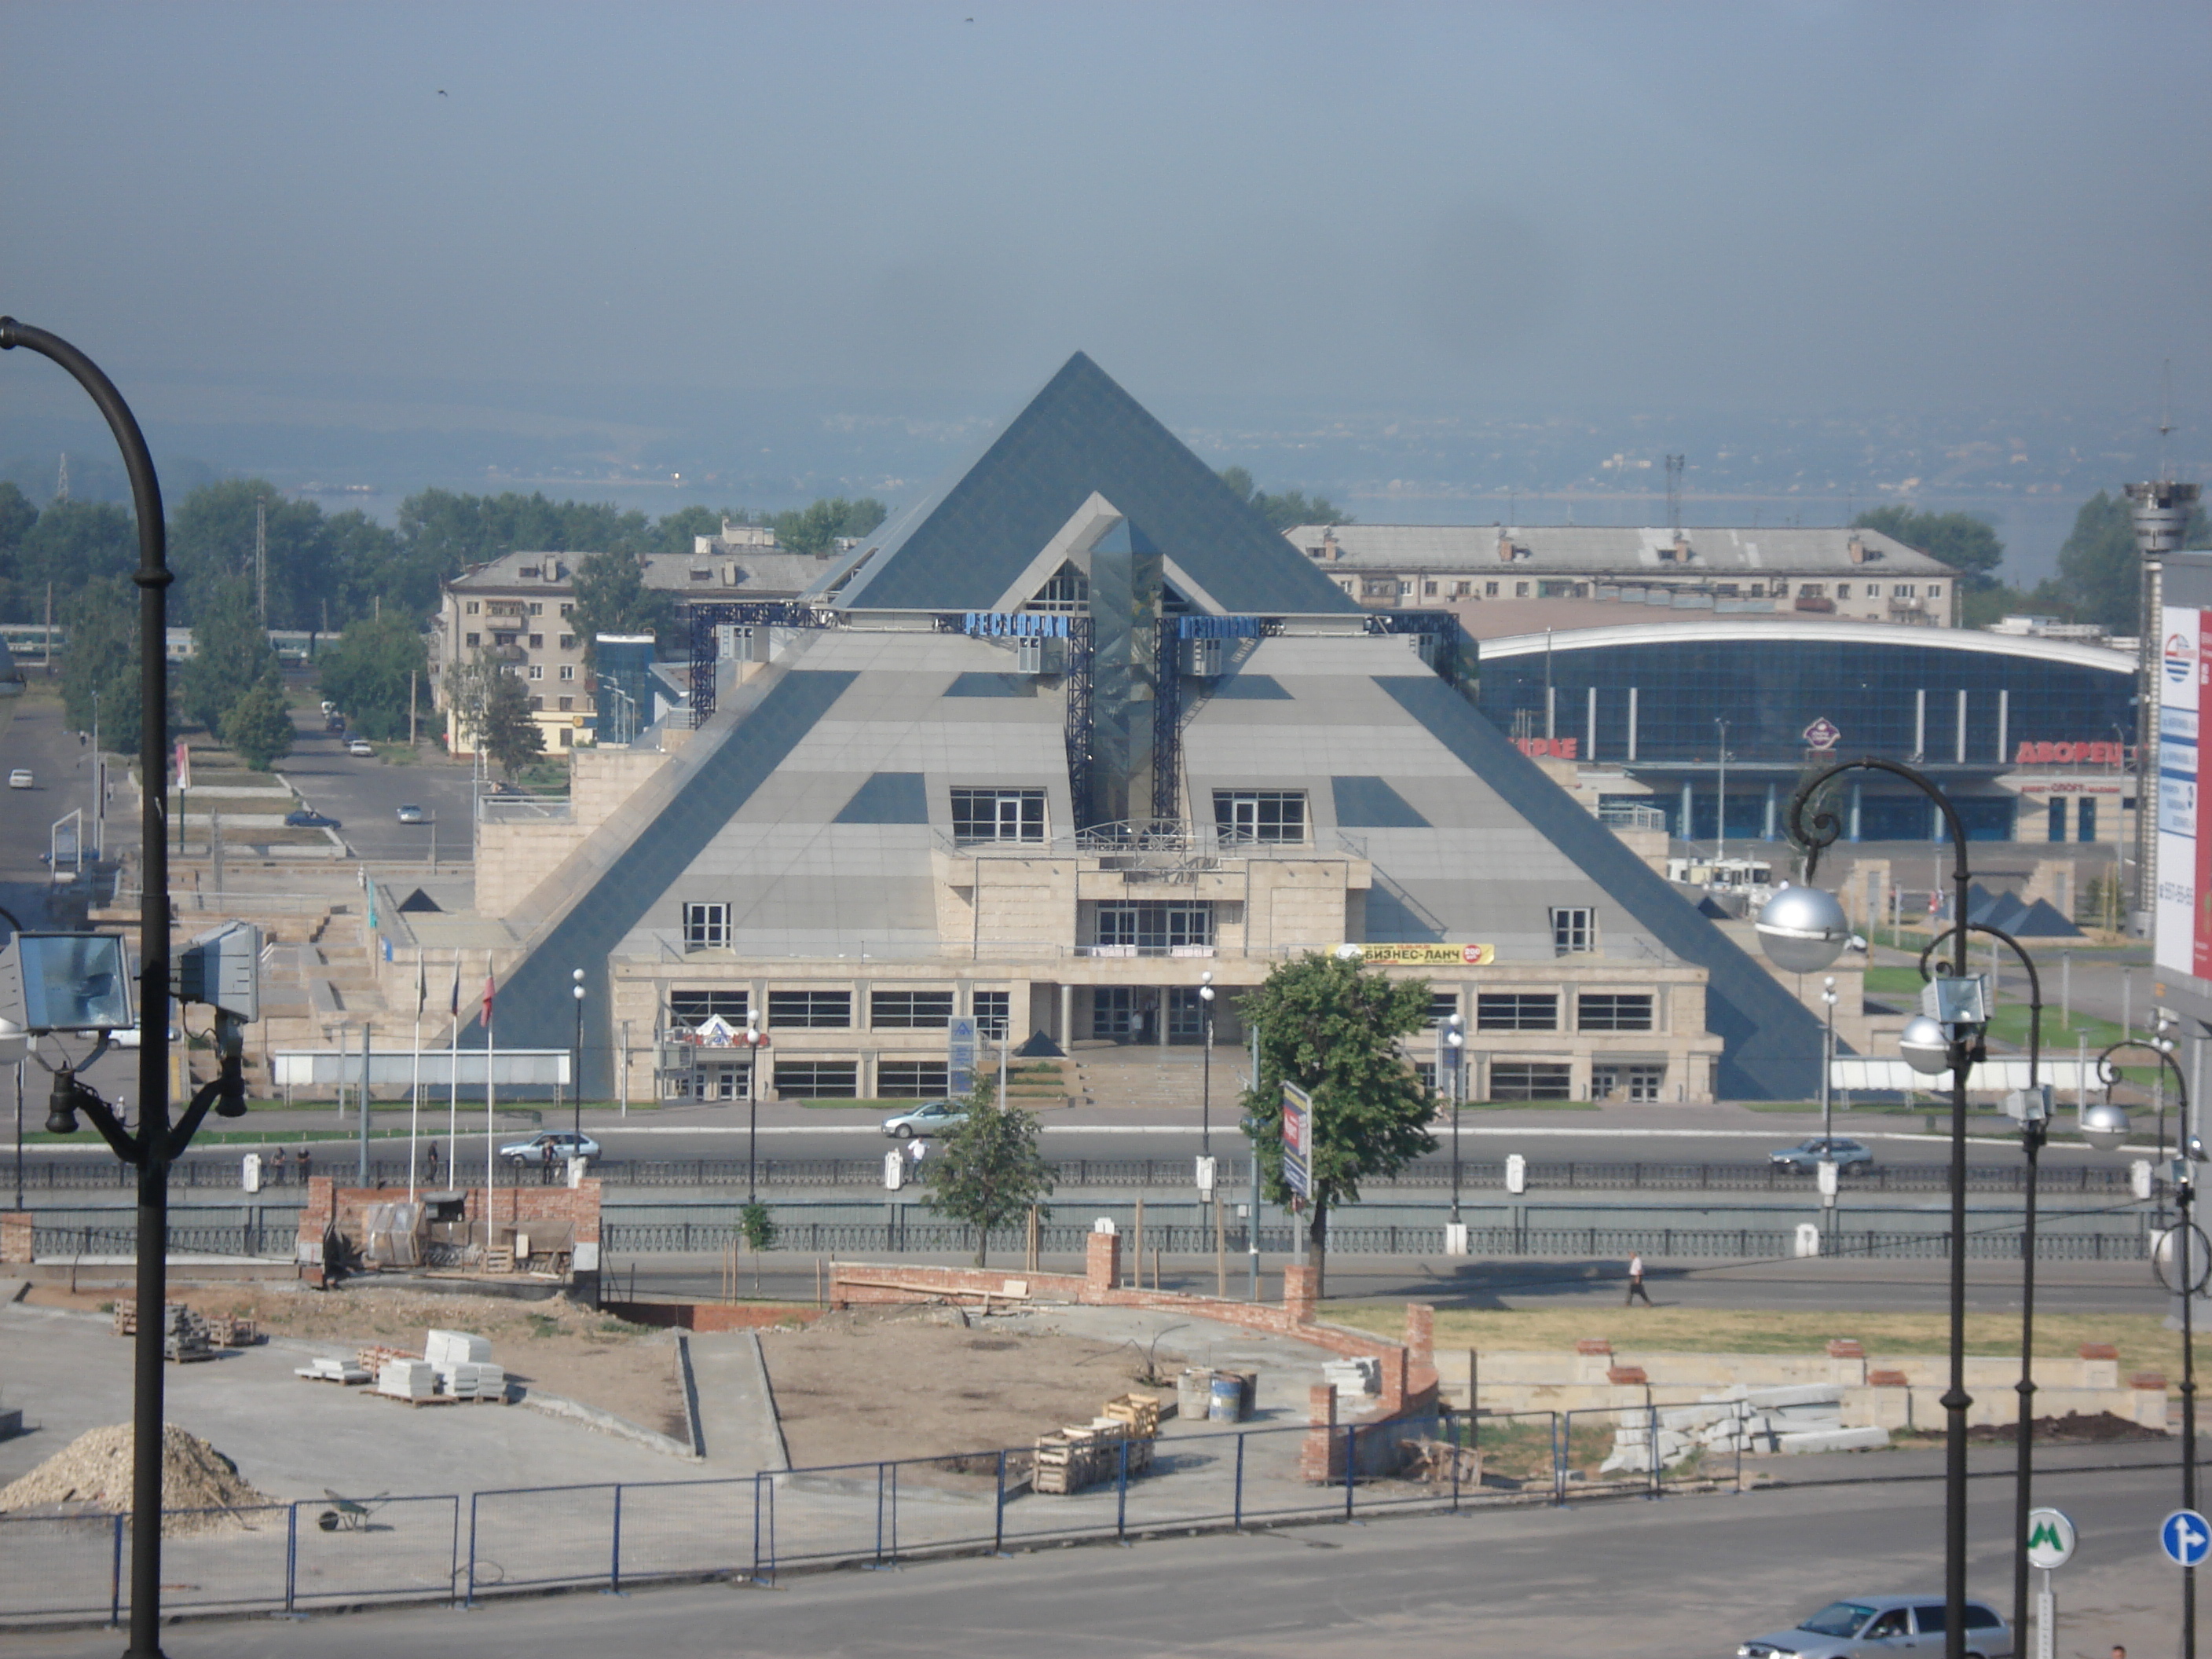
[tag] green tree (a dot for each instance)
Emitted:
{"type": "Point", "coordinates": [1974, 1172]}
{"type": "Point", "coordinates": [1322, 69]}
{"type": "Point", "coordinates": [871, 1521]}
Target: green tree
{"type": "Point", "coordinates": [1331, 1028]}
{"type": "Point", "coordinates": [102, 618]}
{"type": "Point", "coordinates": [508, 727]}
{"type": "Point", "coordinates": [988, 1170]}
{"type": "Point", "coordinates": [612, 598]}
{"type": "Point", "coordinates": [259, 725]}
{"type": "Point", "coordinates": [211, 539]}
{"type": "Point", "coordinates": [815, 530]}
{"type": "Point", "coordinates": [231, 653]}
{"type": "Point", "coordinates": [1960, 540]}
{"type": "Point", "coordinates": [2100, 571]}
{"type": "Point", "coordinates": [1283, 511]}
{"type": "Point", "coordinates": [372, 668]}
{"type": "Point", "coordinates": [68, 545]}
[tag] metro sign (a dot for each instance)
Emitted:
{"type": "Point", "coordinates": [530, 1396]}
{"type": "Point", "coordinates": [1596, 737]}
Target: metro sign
{"type": "Point", "coordinates": [1822, 735]}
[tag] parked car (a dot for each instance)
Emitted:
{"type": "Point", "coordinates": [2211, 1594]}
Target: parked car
{"type": "Point", "coordinates": [1871, 1624]}
{"type": "Point", "coordinates": [410, 813]}
{"type": "Point", "coordinates": [930, 1117]}
{"type": "Point", "coordinates": [362, 747]}
{"type": "Point", "coordinates": [550, 1148]}
{"type": "Point", "coordinates": [20, 778]}
{"type": "Point", "coordinates": [307, 818]}
{"type": "Point", "coordinates": [1807, 1155]}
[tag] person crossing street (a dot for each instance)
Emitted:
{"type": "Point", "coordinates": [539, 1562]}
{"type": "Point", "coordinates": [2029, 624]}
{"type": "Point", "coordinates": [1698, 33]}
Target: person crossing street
{"type": "Point", "coordinates": [1636, 1282]}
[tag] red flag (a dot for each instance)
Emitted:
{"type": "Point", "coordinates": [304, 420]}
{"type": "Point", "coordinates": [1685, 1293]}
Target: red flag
{"type": "Point", "coordinates": [487, 995]}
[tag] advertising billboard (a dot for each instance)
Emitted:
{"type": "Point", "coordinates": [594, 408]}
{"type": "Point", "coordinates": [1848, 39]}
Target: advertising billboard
{"type": "Point", "coordinates": [2184, 687]}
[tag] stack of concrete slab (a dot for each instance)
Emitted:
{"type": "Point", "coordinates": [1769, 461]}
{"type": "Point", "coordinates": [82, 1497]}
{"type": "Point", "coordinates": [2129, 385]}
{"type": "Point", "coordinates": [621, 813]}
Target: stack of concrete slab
{"type": "Point", "coordinates": [323, 1370]}
{"type": "Point", "coordinates": [1801, 1417]}
{"type": "Point", "coordinates": [463, 1364]}
{"type": "Point", "coordinates": [467, 1381]}
{"type": "Point", "coordinates": [407, 1379]}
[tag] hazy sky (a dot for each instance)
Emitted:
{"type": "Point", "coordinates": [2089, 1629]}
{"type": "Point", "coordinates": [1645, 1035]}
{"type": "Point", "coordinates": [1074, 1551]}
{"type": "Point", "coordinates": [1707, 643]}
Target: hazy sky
{"type": "Point", "coordinates": [389, 213]}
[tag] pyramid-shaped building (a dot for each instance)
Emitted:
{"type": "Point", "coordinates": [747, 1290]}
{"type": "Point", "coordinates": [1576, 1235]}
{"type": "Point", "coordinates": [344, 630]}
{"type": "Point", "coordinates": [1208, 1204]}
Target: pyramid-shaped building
{"type": "Point", "coordinates": [1074, 734]}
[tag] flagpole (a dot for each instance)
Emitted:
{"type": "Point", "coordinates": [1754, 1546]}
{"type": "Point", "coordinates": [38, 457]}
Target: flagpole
{"type": "Point", "coordinates": [453, 1081]}
{"type": "Point", "coordinates": [489, 1137]}
{"type": "Point", "coordinates": [415, 1106]}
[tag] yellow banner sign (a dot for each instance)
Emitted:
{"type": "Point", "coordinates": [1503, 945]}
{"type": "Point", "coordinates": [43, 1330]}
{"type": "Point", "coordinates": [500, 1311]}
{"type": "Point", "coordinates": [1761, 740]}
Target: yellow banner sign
{"type": "Point", "coordinates": [1428, 956]}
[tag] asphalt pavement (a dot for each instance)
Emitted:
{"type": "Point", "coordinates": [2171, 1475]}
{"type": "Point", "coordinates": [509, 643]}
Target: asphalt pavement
{"type": "Point", "coordinates": [1686, 1577]}
{"type": "Point", "coordinates": [40, 740]}
{"type": "Point", "coordinates": [365, 796]}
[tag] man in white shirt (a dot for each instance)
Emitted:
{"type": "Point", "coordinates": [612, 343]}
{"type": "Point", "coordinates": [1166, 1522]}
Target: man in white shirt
{"type": "Point", "coordinates": [1636, 1282]}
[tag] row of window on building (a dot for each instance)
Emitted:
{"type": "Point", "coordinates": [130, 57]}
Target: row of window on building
{"type": "Point", "coordinates": [815, 1009]}
{"type": "Point", "coordinates": [1539, 1011]}
{"type": "Point", "coordinates": [1434, 587]}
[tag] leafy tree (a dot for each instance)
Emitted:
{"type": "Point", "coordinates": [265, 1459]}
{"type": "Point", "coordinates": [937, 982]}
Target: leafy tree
{"type": "Point", "coordinates": [612, 598]}
{"type": "Point", "coordinates": [988, 1171]}
{"type": "Point", "coordinates": [1284, 511]}
{"type": "Point", "coordinates": [102, 618]}
{"type": "Point", "coordinates": [367, 672]}
{"type": "Point", "coordinates": [1960, 540]}
{"type": "Point", "coordinates": [17, 515]}
{"type": "Point", "coordinates": [507, 728]}
{"type": "Point", "coordinates": [1332, 1029]}
{"type": "Point", "coordinates": [69, 544]}
{"type": "Point", "coordinates": [211, 537]}
{"type": "Point", "coordinates": [815, 530]}
{"type": "Point", "coordinates": [678, 531]}
{"type": "Point", "coordinates": [230, 653]}
{"type": "Point", "coordinates": [259, 725]}
{"type": "Point", "coordinates": [2100, 571]}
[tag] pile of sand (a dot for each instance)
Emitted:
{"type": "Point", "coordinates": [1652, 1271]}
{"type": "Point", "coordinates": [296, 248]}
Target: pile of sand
{"type": "Point", "coordinates": [92, 1475]}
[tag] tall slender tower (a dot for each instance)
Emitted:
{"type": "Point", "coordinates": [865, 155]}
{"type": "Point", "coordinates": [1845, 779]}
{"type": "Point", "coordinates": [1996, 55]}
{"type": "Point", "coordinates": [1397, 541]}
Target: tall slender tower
{"type": "Point", "coordinates": [2160, 512]}
{"type": "Point", "coordinates": [261, 558]}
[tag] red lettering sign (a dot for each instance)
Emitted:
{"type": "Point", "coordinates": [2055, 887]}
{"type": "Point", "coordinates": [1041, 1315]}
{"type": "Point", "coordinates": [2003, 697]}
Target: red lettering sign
{"type": "Point", "coordinates": [2070, 754]}
{"type": "Point", "coordinates": [1552, 748]}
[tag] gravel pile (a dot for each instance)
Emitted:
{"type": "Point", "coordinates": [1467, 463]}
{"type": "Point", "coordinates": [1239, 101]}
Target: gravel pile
{"type": "Point", "coordinates": [92, 1475]}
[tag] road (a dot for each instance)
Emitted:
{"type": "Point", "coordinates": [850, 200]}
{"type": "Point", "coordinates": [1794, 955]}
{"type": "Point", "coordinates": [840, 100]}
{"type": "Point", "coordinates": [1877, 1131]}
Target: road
{"type": "Point", "coordinates": [1683, 1578]}
{"type": "Point", "coordinates": [39, 739]}
{"type": "Point", "coordinates": [365, 795]}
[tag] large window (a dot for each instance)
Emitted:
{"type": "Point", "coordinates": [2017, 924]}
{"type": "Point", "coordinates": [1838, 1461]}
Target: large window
{"type": "Point", "coordinates": [998, 814]}
{"type": "Point", "coordinates": [1260, 815]}
{"type": "Point", "coordinates": [1638, 1084]}
{"type": "Point", "coordinates": [1155, 929]}
{"type": "Point", "coordinates": [1530, 1079]}
{"type": "Point", "coordinates": [706, 926]}
{"type": "Point", "coordinates": [909, 1010]}
{"type": "Point", "coordinates": [692, 1009]}
{"type": "Point", "coordinates": [818, 1011]}
{"type": "Point", "coordinates": [1607, 1010]}
{"type": "Point", "coordinates": [912, 1079]}
{"type": "Point", "coordinates": [1113, 1013]}
{"type": "Point", "coordinates": [1443, 1005]}
{"type": "Point", "coordinates": [1574, 929]}
{"type": "Point", "coordinates": [1516, 1010]}
{"type": "Point", "coordinates": [992, 1013]}
{"type": "Point", "coordinates": [818, 1079]}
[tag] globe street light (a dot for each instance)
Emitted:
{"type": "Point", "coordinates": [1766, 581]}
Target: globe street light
{"type": "Point", "coordinates": [576, 1059]}
{"type": "Point", "coordinates": [2105, 1125]}
{"type": "Point", "coordinates": [1803, 930]}
{"type": "Point", "coordinates": [1456, 1057]}
{"type": "Point", "coordinates": [1206, 1065]}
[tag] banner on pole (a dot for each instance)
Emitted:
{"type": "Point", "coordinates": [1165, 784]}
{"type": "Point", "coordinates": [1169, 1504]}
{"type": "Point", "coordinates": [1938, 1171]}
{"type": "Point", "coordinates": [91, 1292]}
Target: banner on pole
{"type": "Point", "coordinates": [1297, 1141]}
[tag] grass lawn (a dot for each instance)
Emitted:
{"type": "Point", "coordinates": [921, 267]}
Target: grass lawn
{"type": "Point", "coordinates": [2144, 1343]}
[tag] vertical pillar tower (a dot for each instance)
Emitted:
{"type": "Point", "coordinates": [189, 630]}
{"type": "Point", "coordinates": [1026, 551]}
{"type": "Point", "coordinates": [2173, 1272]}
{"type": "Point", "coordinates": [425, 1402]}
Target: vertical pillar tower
{"type": "Point", "coordinates": [2161, 513]}
{"type": "Point", "coordinates": [1125, 574]}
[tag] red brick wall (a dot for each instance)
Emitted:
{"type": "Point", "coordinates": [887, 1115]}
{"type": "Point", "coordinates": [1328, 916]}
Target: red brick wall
{"type": "Point", "coordinates": [1101, 1263]}
{"type": "Point", "coordinates": [853, 1283]}
{"type": "Point", "coordinates": [711, 1315]}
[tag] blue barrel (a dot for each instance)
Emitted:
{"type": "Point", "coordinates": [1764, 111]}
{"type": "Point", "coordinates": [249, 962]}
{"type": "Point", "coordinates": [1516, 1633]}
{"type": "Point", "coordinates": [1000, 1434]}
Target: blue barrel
{"type": "Point", "coordinates": [1226, 1398]}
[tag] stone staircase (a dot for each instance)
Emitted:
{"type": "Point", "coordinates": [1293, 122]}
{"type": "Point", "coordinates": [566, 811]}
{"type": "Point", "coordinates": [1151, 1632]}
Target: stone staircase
{"type": "Point", "coordinates": [1149, 1079]}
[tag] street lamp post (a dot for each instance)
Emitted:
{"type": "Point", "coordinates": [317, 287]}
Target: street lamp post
{"type": "Point", "coordinates": [156, 1144]}
{"type": "Point", "coordinates": [1803, 930]}
{"type": "Point", "coordinates": [753, 1039]}
{"type": "Point", "coordinates": [2180, 1171]}
{"type": "Point", "coordinates": [577, 1059]}
{"type": "Point", "coordinates": [2032, 1108]}
{"type": "Point", "coordinates": [1206, 1065]}
{"type": "Point", "coordinates": [1454, 1047]}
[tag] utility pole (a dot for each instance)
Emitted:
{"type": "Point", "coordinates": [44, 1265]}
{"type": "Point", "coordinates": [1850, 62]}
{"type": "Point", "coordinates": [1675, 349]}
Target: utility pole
{"type": "Point", "coordinates": [261, 557]}
{"type": "Point", "coordinates": [411, 708]}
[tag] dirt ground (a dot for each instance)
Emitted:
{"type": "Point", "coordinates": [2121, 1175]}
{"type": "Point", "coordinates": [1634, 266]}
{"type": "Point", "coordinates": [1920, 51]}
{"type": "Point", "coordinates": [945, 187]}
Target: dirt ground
{"type": "Point", "coordinates": [861, 1386]}
{"type": "Point", "coordinates": [557, 1346]}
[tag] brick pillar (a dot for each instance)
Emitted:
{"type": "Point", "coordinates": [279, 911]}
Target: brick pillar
{"type": "Point", "coordinates": [1396, 1382]}
{"type": "Point", "coordinates": [1421, 1334]}
{"type": "Point", "coordinates": [1102, 1264]}
{"type": "Point", "coordinates": [316, 1215]}
{"type": "Point", "coordinates": [15, 1236]}
{"type": "Point", "coordinates": [1298, 1293]}
{"type": "Point", "coordinates": [1321, 1457]}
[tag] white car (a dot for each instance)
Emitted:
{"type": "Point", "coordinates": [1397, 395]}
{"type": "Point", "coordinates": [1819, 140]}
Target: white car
{"type": "Point", "coordinates": [362, 747]}
{"type": "Point", "coordinates": [1864, 1626]}
{"type": "Point", "coordinates": [20, 778]}
{"type": "Point", "coordinates": [930, 1118]}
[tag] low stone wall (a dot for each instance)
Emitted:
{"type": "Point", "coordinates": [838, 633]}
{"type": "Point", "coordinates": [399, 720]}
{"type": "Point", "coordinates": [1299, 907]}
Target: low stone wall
{"type": "Point", "coordinates": [1895, 1392]}
{"type": "Point", "coordinates": [330, 1205]}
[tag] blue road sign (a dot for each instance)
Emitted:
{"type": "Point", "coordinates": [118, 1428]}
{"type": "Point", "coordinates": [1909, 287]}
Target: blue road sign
{"type": "Point", "coordinates": [960, 1056]}
{"type": "Point", "coordinates": [2185, 1538]}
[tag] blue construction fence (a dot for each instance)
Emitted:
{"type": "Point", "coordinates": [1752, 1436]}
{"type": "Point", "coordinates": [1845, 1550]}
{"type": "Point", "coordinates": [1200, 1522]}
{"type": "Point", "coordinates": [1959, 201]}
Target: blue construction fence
{"type": "Point", "coordinates": [302, 1558]}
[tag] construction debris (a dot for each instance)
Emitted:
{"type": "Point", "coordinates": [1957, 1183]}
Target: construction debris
{"type": "Point", "coordinates": [333, 1370]}
{"type": "Point", "coordinates": [1799, 1418]}
{"type": "Point", "coordinates": [201, 1489]}
{"type": "Point", "coordinates": [1069, 1459]}
{"type": "Point", "coordinates": [187, 1334]}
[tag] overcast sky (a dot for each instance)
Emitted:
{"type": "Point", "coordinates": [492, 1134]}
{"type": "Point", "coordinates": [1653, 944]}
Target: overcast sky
{"type": "Point", "coordinates": [1783, 208]}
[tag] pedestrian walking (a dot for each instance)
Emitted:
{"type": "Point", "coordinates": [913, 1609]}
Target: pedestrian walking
{"type": "Point", "coordinates": [432, 1161]}
{"type": "Point", "coordinates": [276, 1168]}
{"type": "Point", "coordinates": [306, 1165]}
{"type": "Point", "coordinates": [1636, 1281]}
